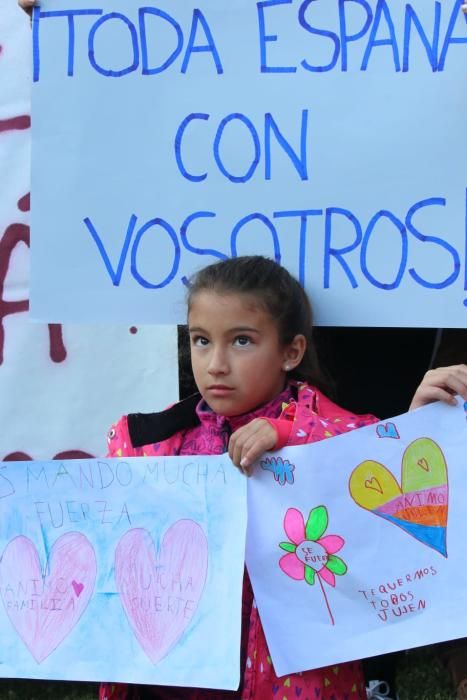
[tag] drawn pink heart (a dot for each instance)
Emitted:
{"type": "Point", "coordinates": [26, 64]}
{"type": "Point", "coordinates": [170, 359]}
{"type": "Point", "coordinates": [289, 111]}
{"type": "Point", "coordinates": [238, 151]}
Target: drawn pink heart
{"type": "Point", "coordinates": [44, 607]}
{"type": "Point", "coordinates": [77, 587]}
{"type": "Point", "coordinates": [161, 592]}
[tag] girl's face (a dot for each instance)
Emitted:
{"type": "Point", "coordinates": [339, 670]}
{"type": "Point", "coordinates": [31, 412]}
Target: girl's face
{"type": "Point", "coordinates": [238, 361]}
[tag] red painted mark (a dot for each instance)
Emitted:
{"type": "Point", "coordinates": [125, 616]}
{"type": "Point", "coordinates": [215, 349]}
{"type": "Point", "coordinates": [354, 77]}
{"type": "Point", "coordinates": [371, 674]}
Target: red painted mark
{"type": "Point", "coordinates": [68, 454]}
{"type": "Point", "coordinates": [15, 234]}
{"type": "Point", "coordinates": [19, 123]}
{"type": "Point", "coordinates": [73, 454]}
{"type": "Point", "coordinates": [17, 457]}
{"type": "Point", "coordinates": [24, 204]}
{"type": "Point", "coordinates": [57, 347]}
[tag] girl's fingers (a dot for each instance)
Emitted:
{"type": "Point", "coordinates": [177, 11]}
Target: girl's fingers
{"type": "Point", "coordinates": [434, 394]}
{"type": "Point", "coordinates": [453, 379]}
{"type": "Point", "coordinates": [254, 448]}
{"type": "Point", "coordinates": [236, 445]}
{"type": "Point", "coordinates": [250, 442]}
{"type": "Point", "coordinates": [27, 5]}
{"type": "Point", "coordinates": [237, 440]}
{"type": "Point", "coordinates": [440, 385]}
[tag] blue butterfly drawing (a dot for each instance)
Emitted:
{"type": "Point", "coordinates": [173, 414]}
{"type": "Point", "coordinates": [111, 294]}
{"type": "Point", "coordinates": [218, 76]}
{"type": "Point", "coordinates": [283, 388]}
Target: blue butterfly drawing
{"type": "Point", "coordinates": [281, 468]}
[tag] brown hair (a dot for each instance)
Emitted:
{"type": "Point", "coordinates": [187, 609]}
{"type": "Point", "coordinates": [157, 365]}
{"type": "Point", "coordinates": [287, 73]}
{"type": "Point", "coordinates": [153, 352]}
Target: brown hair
{"type": "Point", "coordinates": [280, 293]}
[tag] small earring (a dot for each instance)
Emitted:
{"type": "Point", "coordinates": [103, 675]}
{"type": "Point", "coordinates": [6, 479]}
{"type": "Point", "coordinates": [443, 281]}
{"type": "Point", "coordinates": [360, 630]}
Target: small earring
{"type": "Point", "coordinates": [286, 368]}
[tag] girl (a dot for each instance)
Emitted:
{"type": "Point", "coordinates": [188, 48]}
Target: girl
{"type": "Point", "coordinates": [259, 383]}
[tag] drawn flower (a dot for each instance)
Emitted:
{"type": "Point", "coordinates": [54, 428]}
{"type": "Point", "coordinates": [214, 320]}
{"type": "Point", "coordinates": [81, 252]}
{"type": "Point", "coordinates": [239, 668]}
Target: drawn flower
{"type": "Point", "coordinates": [311, 555]}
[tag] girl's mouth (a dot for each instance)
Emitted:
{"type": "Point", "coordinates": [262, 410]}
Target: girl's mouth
{"type": "Point", "coordinates": [219, 390]}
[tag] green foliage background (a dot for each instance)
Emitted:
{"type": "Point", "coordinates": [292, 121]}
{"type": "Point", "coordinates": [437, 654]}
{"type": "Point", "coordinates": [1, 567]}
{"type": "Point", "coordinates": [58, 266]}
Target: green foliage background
{"type": "Point", "coordinates": [47, 690]}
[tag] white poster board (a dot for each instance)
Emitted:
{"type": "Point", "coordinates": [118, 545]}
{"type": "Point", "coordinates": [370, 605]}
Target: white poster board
{"type": "Point", "coordinates": [356, 544]}
{"type": "Point", "coordinates": [328, 135]}
{"type": "Point", "coordinates": [137, 550]}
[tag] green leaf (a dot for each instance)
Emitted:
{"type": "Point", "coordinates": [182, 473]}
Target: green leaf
{"type": "Point", "coordinates": [317, 523]}
{"type": "Point", "coordinates": [336, 565]}
{"type": "Point", "coordinates": [288, 546]}
{"type": "Point", "coordinates": [309, 575]}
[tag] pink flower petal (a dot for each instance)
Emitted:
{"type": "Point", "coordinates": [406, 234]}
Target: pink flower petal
{"type": "Point", "coordinates": [331, 543]}
{"type": "Point", "coordinates": [292, 566]}
{"type": "Point", "coordinates": [327, 576]}
{"type": "Point", "coordinates": [294, 526]}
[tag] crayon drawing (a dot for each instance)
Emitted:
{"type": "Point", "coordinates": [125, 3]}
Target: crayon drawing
{"type": "Point", "coordinates": [281, 469]}
{"type": "Point", "coordinates": [387, 430]}
{"type": "Point", "coordinates": [45, 606]}
{"type": "Point", "coordinates": [311, 555]}
{"type": "Point", "coordinates": [419, 505]}
{"type": "Point", "coordinates": [395, 593]}
{"type": "Point", "coordinates": [160, 592]}
{"type": "Point", "coordinates": [133, 554]}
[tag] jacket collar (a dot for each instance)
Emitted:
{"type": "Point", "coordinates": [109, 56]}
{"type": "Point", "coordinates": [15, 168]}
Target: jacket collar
{"type": "Point", "coordinates": [272, 409]}
{"type": "Point", "coordinates": [149, 428]}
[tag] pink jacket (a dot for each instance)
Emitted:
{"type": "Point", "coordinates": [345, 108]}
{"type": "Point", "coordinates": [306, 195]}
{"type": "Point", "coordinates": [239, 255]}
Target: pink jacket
{"type": "Point", "coordinates": [313, 417]}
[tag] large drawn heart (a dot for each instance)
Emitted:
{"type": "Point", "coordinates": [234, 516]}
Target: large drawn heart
{"type": "Point", "coordinates": [420, 504]}
{"type": "Point", "coordinates": [161, 592]}
{"type": "Point", "coordinates": [44, 607]}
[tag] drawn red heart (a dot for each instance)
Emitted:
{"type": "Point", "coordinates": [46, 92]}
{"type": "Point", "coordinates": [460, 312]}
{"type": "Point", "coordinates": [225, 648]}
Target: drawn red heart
{"type": "Point", "coordinates": [160, 592]}
{"type": "Point", "coordinates": [373, 484]}
{"type": "Point", "coordinates": [44, 607]}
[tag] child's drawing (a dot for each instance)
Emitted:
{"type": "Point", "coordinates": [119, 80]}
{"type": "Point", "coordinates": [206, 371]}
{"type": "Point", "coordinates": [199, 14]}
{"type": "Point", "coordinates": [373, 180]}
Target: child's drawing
{"type": "Point", "coordinates": [387, 430]}
{"type": "Point", "coordinates": [420, 504]}
{"type": "Point", "coordinates": [311, 555]}
{"type": "Point", "coordinates": [282, 469]}
{"type": "Point", "coordinates": [160, 592]}
{"type": "Point", "coordinates": [44, 607]}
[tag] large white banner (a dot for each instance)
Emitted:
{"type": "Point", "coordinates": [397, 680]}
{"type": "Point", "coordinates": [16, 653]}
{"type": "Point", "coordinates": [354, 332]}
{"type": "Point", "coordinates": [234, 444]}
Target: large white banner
{"type": "Point", "coordinates": [60, 386]}
{"type": "Point", "coordinates": [328, 134]}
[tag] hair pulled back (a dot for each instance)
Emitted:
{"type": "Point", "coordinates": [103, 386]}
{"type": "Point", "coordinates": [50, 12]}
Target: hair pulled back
{"type": "Point", "coordinates": [281, 295]}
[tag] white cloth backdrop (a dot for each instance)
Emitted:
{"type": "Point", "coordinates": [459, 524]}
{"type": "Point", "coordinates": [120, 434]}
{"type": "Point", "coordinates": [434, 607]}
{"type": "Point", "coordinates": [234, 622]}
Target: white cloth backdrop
{"type": "Point", "coordinates": [60, 387]}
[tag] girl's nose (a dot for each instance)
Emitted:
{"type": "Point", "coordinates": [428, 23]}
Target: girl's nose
{"type": "Point", "coordinates": [218, 362]}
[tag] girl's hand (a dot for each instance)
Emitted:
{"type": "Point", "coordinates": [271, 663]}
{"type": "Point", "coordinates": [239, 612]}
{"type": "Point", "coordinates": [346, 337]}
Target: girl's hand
{"type": "Point", "coordinates": [27, 5]}
{"type": "Point", "coordinates": [440, 385]}
{"type": "Point", "coordinates": [464, 7]}
{"type": "Point", "coordinates": [250, 442]}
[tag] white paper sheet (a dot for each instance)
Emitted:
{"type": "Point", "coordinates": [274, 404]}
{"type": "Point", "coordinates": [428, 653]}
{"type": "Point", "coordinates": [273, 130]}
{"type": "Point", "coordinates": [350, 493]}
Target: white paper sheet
{"type": "Point", "coordinates": [381, 564]}
{"type": "Point", "coordinates": [122, 570]}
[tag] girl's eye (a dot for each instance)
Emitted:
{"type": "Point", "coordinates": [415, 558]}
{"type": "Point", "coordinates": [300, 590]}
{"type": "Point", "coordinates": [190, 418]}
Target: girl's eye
{"type": "Point", "coordinates": [199, 341]}
{"type": "Point", "coordinates": [242, 340]}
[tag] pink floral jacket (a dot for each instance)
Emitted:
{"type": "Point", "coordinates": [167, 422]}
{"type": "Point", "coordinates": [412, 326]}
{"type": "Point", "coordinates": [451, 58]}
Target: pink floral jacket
{"type": "Point", "coordinates": [190, 428]}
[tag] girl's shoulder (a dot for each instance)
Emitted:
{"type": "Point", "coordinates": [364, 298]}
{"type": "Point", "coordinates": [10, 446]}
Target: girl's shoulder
{"type": "Point", "coordinates": [152, 434]}
{"type": "Point", "coordinates": [119, 440]}
{"type": "Point", "coordinates": [313, 399]}
{"type": "Point", "coordinates": [317, 417]}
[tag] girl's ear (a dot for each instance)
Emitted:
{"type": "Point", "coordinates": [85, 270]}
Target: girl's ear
{"type": "Point", "coordinates": [293, 353]}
